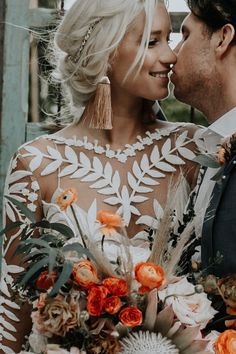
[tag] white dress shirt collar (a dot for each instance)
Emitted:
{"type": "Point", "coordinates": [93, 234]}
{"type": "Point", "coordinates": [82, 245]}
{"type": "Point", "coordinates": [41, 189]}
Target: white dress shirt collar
{"type": "Point", "coordinates": [225, 125]}
{"type": "Point", "coordinates": [221, 128]}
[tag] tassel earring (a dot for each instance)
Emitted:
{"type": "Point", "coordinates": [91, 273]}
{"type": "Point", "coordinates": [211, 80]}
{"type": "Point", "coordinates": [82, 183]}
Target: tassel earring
{"type": "Point", "coordinates": [99, 107]}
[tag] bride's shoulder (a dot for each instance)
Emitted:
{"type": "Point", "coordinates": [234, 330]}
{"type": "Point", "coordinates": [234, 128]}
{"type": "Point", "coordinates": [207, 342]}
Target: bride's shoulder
{"type": "Point", "coordinates": [179, 127]}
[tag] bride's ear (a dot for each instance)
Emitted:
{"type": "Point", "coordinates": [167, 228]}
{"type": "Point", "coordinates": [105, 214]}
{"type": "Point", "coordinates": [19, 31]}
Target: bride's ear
{"type": "Point", "coordinates": [225, 37]}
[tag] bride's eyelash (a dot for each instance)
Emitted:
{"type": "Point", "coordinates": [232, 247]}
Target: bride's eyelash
{"type": "Point", "coordinates": [152, 42]}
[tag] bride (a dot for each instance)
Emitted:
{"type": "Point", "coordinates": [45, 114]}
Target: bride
{"type": "Point", "coordinates": [113, 60]}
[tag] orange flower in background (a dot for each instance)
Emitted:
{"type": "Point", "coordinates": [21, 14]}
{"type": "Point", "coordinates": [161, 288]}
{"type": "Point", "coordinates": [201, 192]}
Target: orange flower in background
{"type": "Point", "coordinates": [230, 323]}
{"type": "Point", "coordinates": [131, 316]}
{"type": "Point", "coordinates": [85, 274]}
{"type": "Point", "coordinates": [96, 297]}
{"type": "Point", "coordinates": [221, 155]}
{"type": "Point", "coordinates": [112, 304]}
{"type": "Point", "coordinates": [109, 221]}
{"type": "Point", "coordinates": [226, 342]}
{"type": "Point", "coordinates": [116, 286]}
{"type": "Point", "coordinates": [66, 198]}
{"type": "Point", "coordinates": [46, 280]}
{"type": "Point", "coordinates": [41, 301]}
{"type": "Point", "coordinates": [149, 275]}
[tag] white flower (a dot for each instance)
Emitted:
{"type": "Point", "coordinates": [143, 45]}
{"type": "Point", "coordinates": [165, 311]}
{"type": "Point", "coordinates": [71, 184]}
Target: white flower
{"type": "Point", "coordinates": [122, 158]}
{"type": "Point", "coordinates": [212, 337]}
{"type": "Point", "coordinates": [55, 349]}
{"type": "Point", "coordinates": [148, 343]}
{"type": "Point", "coordinates": [32, 207]}
{"type": "Point", "coordinates": [38, 342]}
{"type": "Point", "coordinates": [35, 186]}
{"type": "Point", "coordinates": [192, 309]}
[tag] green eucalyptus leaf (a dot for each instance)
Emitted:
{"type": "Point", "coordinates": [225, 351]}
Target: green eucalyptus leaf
{"type": "Point", "coordinates": [34, 269]}
{"type": "Point", "coordinates": [206, 160]}
{"type": "Point", "coordinates": [42, 252]}
{"type": "Point", "coordinates": [44, 224]}
{"type": "Point", "coordinates": [52, 259]}
{"type": "Point", "coordinates": [25, 234]}
{"type": "Point", "coordinates": [10, 227]}
{"type": "Point", "coordinates": [63, 229]}
{"type": "Point", "coordinates": [22, 248]}
{"type": "Point", "coordinates": [77, 247]}
{"type": "Point", "coordinates": [63, 278]}
{"type": "Point", "coordinates": [32, 255]}
{"type": "Point", "coordinates": [218, 176]}
{"type": "Point", "coordinates": [36, 242]}
{"type": "Point", "coordinates": [23, 209]}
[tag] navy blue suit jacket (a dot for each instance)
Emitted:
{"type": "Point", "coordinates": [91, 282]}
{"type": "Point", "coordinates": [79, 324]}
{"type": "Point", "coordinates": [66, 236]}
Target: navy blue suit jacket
{"type": "Point", "coordinates": [219, 228]}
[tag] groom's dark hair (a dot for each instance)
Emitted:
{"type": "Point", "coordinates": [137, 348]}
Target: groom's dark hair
{"type": "Point", "coordinates": [214, 13]}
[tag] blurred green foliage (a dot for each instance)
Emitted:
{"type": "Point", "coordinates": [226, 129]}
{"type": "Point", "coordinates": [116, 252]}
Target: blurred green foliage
{"type": "Point", "coordinates": [177, 111]}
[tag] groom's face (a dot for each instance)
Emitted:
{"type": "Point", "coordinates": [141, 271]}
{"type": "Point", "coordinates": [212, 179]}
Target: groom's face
{"type": "Point", "coordinates": [193, 73]}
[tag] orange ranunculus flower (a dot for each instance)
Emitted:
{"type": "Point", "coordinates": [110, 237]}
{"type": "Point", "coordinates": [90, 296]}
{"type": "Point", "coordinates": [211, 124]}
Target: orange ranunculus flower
{"type": "Point", "coordinates": [230, 323]}
{"type": "Point", "coordinates": [226, 342]}
{"type": "Point", "coordinates": [85, 274]}
{"type": "Point", "coordinates": [112, 304]}
{"type": "Point", "coordinates": [116, 286]}
{"type": "Point", "coordinates": [66, 198]}
{"type": "Point", "coordinates": [149, 275]}
{"type": "Point", "coordinates": [45, 280]}
{"type": "Point", "coordinates": [131, 316]}
{"type": "Point", "coordinates": [221, 155]}
{"type": "Point", "coordinates": [96, 297]}
{"type": "Point", "coordinates": [109, 221]}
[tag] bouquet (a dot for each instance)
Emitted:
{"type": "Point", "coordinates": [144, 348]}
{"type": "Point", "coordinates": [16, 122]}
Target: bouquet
{"type": "Point", "coordinates": [82, 302]}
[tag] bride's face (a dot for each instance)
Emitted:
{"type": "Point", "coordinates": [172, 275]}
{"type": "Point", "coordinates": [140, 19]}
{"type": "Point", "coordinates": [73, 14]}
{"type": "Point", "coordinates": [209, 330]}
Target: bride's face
{"type": "Point", "coordinates": [153, 79]}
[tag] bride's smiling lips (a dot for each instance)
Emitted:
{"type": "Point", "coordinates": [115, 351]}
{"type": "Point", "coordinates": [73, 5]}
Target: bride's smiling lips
{"type": "Point", "coordinates": [160, 74]}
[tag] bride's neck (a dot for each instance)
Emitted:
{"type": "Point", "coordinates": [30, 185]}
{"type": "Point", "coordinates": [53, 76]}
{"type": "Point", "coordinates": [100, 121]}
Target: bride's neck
{"type": "Point", "coordinates": [127, 122]}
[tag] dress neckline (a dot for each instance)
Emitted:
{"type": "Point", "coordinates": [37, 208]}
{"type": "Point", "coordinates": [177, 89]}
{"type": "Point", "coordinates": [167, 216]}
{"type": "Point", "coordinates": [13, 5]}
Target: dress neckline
{"type": "Point", "coordinates": [120, 154]}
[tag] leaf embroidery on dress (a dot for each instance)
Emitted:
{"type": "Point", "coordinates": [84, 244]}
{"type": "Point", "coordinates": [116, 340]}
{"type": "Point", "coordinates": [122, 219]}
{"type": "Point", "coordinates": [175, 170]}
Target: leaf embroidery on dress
{"type": "Point", "coordinates": [107, 182]}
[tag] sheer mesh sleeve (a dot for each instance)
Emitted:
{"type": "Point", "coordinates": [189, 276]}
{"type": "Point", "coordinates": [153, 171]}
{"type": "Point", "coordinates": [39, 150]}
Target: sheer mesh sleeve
{"type": "Point", "coordinates": [15, 321]}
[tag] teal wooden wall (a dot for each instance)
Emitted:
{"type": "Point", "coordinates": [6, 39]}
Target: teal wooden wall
{"type": "Point", "coordinates": [15, 79]}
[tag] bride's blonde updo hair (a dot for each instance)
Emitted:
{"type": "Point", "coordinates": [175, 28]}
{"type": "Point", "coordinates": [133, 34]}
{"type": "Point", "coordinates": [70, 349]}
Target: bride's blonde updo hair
{"type": "Point", "coordinates": [89, 33]}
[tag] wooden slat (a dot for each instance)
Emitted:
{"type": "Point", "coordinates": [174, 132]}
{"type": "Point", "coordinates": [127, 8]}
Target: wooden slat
{"type": "Point", "coordinates": [33, 130]}
{"type": "Point", "coordinates": [15, 83]}
{"type": "Point", "coordinates": [41, 17]}
{"type": "Point", "coordinates": [2, 18]}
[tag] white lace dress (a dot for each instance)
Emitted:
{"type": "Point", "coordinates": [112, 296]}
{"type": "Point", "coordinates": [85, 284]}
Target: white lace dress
{"type": "Point", "coordinates": [132, 182]}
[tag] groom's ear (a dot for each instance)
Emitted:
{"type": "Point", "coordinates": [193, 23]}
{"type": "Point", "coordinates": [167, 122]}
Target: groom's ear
{"type": "Point", "coordinates": [224, 38]}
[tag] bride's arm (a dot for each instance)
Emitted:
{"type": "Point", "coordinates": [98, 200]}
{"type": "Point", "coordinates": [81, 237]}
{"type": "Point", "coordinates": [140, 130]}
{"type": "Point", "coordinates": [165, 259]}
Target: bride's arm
{"type": "Point", "coordinates": [15, 320]}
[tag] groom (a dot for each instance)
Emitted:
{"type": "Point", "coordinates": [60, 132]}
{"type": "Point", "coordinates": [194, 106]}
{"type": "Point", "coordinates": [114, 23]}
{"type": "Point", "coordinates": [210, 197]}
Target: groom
{"type": "Point", "coordinates": [205, 78]}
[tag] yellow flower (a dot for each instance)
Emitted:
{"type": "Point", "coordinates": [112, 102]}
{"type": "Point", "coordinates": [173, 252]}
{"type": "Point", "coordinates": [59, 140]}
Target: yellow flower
{"type": "Point", "coordinates": [109, 221]}
{"type": "Point", "coordinates": [66, 198]}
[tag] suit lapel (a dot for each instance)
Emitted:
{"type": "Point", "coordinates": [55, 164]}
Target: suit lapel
{"type": "Point", "coordinates": [207, 230]}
